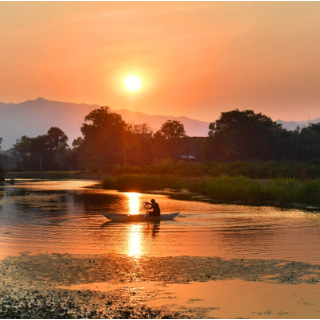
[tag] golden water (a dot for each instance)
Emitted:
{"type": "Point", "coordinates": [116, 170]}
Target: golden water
{"type": "Point", "coordinates": [65, 217]}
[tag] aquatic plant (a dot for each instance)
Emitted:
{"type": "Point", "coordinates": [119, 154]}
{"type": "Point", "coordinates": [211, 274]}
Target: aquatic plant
{"type": "Point", "coordinates": [255, 169]}
{"type": "Point", "coordinates": [283, 191]}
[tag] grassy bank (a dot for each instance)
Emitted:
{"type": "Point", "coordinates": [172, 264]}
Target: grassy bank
{"type": "Point", "coordinates": [255, 170]}
{"type": "Point", "coordinates": [41, 175]}
{"type": "Point", "coordinates": [281, 190]}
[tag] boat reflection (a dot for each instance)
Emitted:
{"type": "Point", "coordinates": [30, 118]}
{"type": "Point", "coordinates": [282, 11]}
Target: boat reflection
{"type": "Point", "coordinates": [135, 232]}
{"type": "Point", "coordinates": [155, 228]}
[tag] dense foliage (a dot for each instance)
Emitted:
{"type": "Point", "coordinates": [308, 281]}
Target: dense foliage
{"type": "Point", "coordinates": [238, 143]}
{"type": "Point", "coordinates": [244, 135]}
{"type": "Point", "coordinates": [108, 140]}
{"type": "Point", "coordinates": [240, 135]}
{"type": "Point", "coordinates": [46, 151]}
{"type": "Point", "coordinates": [235, 136]}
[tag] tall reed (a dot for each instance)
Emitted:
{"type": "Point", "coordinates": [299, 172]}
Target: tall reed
{"type": "Point", "coordinates": [255, 170]}
{"type": "Point", "coordinates": [284, 191]}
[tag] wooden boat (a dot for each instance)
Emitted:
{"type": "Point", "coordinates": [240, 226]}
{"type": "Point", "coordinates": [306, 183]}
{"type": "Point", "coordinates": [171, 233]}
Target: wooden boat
{"type": "Point", "coordinates": [122, 217]}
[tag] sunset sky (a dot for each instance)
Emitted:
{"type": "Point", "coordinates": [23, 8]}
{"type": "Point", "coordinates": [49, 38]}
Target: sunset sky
{"type": "Point", "coordinates": [194, 58]}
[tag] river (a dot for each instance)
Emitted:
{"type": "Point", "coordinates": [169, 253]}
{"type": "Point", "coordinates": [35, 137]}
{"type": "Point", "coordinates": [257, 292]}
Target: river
{"type": "Point", "coordinates": [41, 218]}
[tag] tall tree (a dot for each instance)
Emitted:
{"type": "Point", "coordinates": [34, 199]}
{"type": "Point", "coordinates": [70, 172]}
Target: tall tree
{"type": "Point", "coordinates": [56, 140]}
{"type": "Point", "coordinates": [103, 137]}
{"type": "Point", "coordinates": [172, 129]}
{"type": "Point", "coordinates": [167, 139]}
{"type": "Point", "coordinates": [143, 128]}
{"type": "Point", "coordinates": [42, 152]}
{"type": "Point", "coordinates": [243, 135]}
{"type": "Point", "coordinates": [22, 150]}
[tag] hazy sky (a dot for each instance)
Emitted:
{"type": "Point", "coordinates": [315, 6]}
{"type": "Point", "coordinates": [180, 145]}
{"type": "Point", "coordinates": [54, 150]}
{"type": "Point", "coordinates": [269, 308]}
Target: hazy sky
{"type": "Point", "coordinates": [195, 58]}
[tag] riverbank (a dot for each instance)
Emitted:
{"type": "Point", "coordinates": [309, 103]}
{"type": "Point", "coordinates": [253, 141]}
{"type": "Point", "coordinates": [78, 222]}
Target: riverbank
{"type": "Point", "coordinates": [224, 188]}
{"type": "Point", "coordinates": [53, 175]}
{"type": "Point", "coordinates": [241, 189]}
{"type": "Point", "coordinates": [115, 286]}
{"type": "Point", "coordinates": [254, 169]}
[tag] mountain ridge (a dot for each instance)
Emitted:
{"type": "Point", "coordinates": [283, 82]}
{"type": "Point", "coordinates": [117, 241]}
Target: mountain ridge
{"type": "Point", "coordinates": [35, 117]}
{"type": "Point", "coordinates": [292, 125]}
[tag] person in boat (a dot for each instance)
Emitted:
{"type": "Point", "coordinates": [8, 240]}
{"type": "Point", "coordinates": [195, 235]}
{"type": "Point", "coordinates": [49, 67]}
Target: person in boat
{"type": "Point", "coordinates": [155, 208]}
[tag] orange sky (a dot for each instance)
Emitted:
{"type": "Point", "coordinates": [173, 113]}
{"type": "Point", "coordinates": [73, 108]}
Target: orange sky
{"type": "Point", "coordinates": [195, 58]}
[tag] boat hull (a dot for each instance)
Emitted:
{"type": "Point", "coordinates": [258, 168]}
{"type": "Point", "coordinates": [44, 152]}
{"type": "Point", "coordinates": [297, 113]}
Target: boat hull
{"type": "Point", "coordinates": [138, 217]}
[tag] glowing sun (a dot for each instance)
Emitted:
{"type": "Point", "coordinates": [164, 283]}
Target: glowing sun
{"type": "Point", "coordinates": [132, 83]}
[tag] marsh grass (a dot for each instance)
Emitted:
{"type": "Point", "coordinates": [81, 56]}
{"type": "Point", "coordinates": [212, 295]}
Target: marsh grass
{"type": "Point", "coordinates": [255, 169]}
{"type": "Point", "coordinates": [52, 175]}
{"type": "Point", "coordinates": [284, 191]}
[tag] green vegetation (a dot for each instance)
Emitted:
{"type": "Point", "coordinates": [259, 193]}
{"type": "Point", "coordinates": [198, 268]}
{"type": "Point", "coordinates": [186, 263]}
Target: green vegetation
{"type": "Point", "coordinates": [238, 143]}
{"type": "Point", "coordinates": [49, 151]}
{"type": "Point", "coordinates": [42, 175]}
{"type": "Point", "coordinates": [255, 170]}
{"type": "Point", "coordinates": [282, 191]}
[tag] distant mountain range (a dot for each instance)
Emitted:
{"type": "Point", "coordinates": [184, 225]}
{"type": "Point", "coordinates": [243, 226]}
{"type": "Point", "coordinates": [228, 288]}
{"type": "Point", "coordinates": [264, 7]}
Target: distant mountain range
{"type": "Point", "coordinates": [35, 117]}
{"type": "Point", "coordinates": [292, 125]}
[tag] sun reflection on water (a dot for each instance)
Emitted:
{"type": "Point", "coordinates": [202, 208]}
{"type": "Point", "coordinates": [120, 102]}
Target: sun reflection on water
{"type": "Point", "coordinates": [133, 202]}
{"type": "Point", "coordinates": [134, 231]}
{"type": "Point", "coordinates": [134, 240]}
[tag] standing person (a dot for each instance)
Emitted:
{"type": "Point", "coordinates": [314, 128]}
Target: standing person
{"type": "Point", "coordinates": [155, 208]}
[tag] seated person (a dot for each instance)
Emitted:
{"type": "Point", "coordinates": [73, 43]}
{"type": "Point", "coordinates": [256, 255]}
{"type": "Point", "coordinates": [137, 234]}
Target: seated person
{"type": "Point", "coordinates": [155, 208]}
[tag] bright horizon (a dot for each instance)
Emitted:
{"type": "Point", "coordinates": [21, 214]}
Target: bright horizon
{"type": "Point", "coordinates": [193, 59]}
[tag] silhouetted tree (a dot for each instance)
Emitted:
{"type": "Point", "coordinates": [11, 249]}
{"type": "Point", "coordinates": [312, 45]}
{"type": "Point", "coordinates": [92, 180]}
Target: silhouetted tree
{"type": "Point", "coordinates": [240, 135]}
{"type": "Point", "coordinates": [56, 140]}
{"type": "Point", "coordinates": [137, 144]}
{"type": "Point", "coordinates": [42, 152]}
{"type": "Point", "coordinates": [22, 150]}
{"type": "Point", "coordinates": [103, 137]}
{"type": "Point", "coordinates": [143, 128]}
{"type": "Point", "coordinates": [77, 142]}
{"type": "Point", "coordinates": [211, 129]}
{"type": "Point", "coordinates": [167, 139]}
{"type": "Point", "coordinates": [172, 129]}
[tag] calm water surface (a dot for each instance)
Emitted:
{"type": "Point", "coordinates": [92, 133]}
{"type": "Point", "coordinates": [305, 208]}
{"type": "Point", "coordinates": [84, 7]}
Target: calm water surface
{"type": "Point", "coordinates": [65, 217]}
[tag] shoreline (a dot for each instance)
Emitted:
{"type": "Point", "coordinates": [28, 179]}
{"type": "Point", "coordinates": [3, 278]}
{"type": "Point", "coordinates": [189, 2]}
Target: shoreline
{"type": "Point", "coordinates": [224, 189]}
{"type": "Point", "coordinates": [54, 175]}
{"type": "Point", "coordinates": [195, 189]}
{"type": "Point", "coordinates": [67, 285]}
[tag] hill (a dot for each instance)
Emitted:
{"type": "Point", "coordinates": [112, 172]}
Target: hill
{"type": "Point", "coordinates": [292, 125]}
{"type": "Point", "coordinates": [35, 117]}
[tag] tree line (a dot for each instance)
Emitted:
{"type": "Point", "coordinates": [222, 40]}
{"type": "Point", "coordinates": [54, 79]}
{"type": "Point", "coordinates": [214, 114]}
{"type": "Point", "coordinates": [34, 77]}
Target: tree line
{"type": "Point", "coordinates": [245, 135]}
{"type": "Point", "coordinates": [108, 140]}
